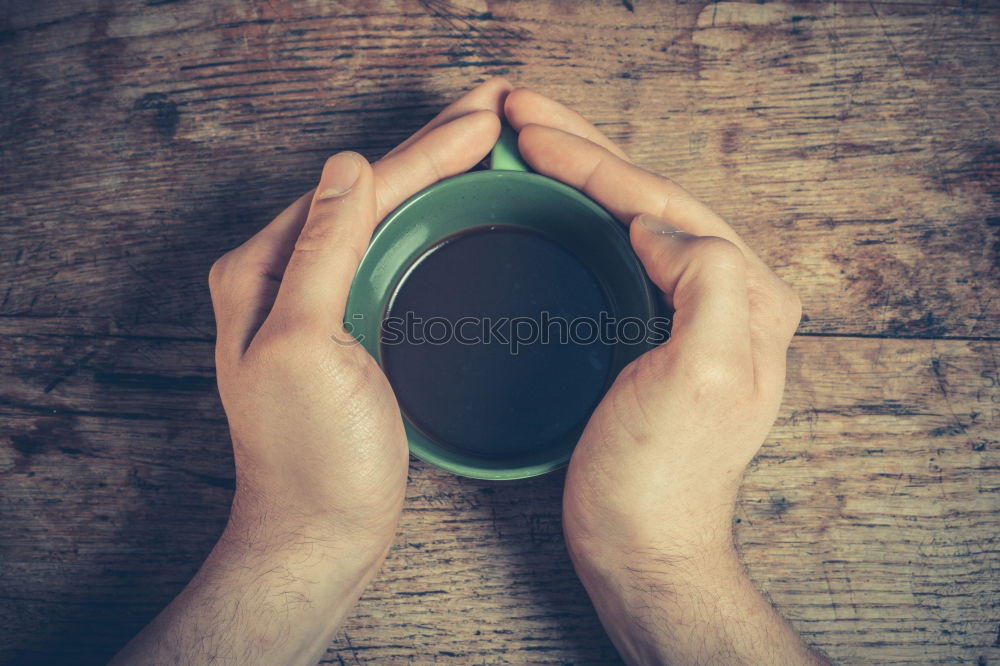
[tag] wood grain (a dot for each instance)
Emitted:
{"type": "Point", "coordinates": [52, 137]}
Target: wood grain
{"type": "Point", "coordinates": [869, 515]}
{"type": "Point", "coordinates": [863, 140]}
{"type": "Point", "coordinates": [855, 144]}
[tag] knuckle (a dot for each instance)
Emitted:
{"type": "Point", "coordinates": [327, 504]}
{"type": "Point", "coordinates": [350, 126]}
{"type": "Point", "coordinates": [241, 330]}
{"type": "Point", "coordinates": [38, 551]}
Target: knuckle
{"type": "Point", "coordinates": [278, 337]}
{"type": "Point", "coordinates": [789, 297]}
{"type": "Point", "coordinates": [221, 268]}
{"type": "Point", "coordinates": [333, 249]}
{"type": "Point", "coordinates": [318, 231]}
{"type": "Point", "coordinates": [353, 374]}
{"type": "Point", "coordinates": [296, 358]}
{"type": "Point", "coordinates": [791, 304]}
{"type": "Point", "coordinates": [711, 377]}
{"type": "Point", "coordinates": [628, 415]}
{"type": "Point", "coordinates": [776, 302]}
{"type": "Point", "coordinates": [648, 369]}
{"type": "Point", "coordinates": [323, 233]}
{"type": "Point", "coordinates": [280, 354]}
{"type": "Point", "coordinates": [718, 255]}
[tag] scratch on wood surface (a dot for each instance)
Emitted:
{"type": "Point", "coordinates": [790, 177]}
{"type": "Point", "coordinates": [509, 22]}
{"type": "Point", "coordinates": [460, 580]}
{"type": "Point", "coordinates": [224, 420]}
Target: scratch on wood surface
{"type": "Point", "coordinates": [69, 372]}
{"type": "Point", "coordinates": [942, 386]}
{"type": "Point", "coordinates": [350, 645]}
{"type": "Point", "coordinates": [489, 35]}
{"type": "Point", "coordinates": [891, 45]}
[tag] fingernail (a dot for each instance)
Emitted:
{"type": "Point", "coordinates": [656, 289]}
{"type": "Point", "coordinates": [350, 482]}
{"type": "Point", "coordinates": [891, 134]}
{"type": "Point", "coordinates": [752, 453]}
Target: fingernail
{"type": "Point", "coordinates": [339, 175]}
{"type": "Point", "coordinates": [658, 225]}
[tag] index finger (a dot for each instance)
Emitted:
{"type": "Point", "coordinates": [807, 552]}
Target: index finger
{"type": "Point", "coordinates": [487, 96]}
{"type": "Point", "coordinates": [526, 107]}
{"type": "Point", "coordinates": [618, 185]}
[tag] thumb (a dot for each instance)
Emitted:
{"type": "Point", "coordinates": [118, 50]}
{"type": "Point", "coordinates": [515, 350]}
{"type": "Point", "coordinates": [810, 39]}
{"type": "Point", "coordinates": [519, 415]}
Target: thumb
{"type": "Point", "coordinates": [704, 279]}
{"type": "Point", "coordinates": [329, 248]}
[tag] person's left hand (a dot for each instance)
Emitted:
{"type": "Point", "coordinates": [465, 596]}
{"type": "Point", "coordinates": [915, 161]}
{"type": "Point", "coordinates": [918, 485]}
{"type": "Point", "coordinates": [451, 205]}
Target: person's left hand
{"type": "Point", "coordinates": [317, 434]}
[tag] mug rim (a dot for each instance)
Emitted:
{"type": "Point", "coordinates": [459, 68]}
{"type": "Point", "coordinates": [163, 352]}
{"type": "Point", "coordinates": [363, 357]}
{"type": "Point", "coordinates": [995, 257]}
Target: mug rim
{"type": "Point", "coordinates": [484, 470]}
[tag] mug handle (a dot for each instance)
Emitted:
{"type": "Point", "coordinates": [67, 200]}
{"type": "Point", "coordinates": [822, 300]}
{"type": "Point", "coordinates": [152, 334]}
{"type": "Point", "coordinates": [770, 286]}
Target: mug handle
{"type": "Point", "coordinates": [505, 156]}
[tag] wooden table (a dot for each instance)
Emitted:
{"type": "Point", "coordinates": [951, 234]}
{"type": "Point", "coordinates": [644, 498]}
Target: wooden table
{"type": "Point", "coordinates": [855, 144]}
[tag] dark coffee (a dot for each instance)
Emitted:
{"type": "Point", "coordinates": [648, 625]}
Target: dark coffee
{"type": "Point", "coordinates": [462, 384]}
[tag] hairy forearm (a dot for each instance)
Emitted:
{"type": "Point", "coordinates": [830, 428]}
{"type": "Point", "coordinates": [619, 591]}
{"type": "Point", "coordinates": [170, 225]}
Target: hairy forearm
{"type": "Point", "coordinates": [266, 594]}
{"type": "Point", "coordinates": [669, 608]}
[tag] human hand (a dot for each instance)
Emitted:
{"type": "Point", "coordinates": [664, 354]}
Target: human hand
{"type": "Point", "coordinates": [316, 430]}
{"type": "Point", "coordinates": [652, 484]}
{"type": "Point", "coordinates": [321, 458]}
{"type": "Point", "coordinates": [317, 434]}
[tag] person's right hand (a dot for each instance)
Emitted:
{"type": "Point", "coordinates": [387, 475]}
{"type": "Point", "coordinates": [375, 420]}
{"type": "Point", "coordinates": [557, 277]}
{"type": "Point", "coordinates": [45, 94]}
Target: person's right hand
{"type": "Point", "coordinates": [652, 484]}
{"type": "Point", "coordinates": [318, 441]}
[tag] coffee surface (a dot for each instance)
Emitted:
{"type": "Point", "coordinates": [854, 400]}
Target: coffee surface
{"type": "Point", "coordinates": [456, 370]}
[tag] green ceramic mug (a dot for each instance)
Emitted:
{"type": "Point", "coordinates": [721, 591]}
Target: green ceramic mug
{"type": "Point", "coordinates": [507, 191]}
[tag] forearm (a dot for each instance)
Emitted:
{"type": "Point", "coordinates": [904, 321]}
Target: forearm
{"type": "Point", "coordinates": [662, 608]}
{"type": "Point", "coordinates": [266, 594]}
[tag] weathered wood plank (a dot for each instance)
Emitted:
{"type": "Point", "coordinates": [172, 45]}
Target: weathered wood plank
{"type": "Point", "coordinates": [870, 516]}
{"type": "Point", "coordinates": [856, 141]}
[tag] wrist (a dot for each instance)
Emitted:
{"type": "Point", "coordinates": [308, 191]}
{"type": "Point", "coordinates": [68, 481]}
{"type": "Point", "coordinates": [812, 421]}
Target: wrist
{"type": "Point", "coordinates": [647, 598]}
{"type": "Point", "coordinates": [265, 524]}
{"type": "Point", "coordinates": [269, 592]}
{"type": "Point", "coordinates": [318, 551]}
{"type": "Point", "coordinates": [610, 541]}
{"type": "Point", "coordinates": [674, 607]}
{"type": "Point", "coordinates": [670, 562]}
